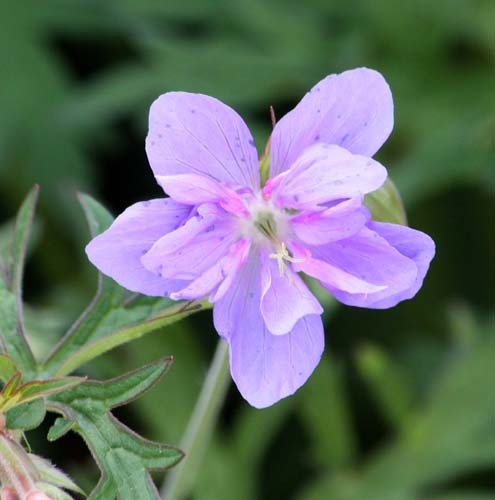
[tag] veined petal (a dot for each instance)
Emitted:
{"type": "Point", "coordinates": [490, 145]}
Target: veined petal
{"type": "Point", "coordinates": [221, 275]}
{"type": "Point", "coordinates": [353, 109]}
{"type": "Point", "coordinates": [117, 252]}
{"type": "Point", "coordinates": [193, 248]}
{"type": "Point", "coordinates": [194, 189]}
{"type": "Point", "coordinates": [265, 367]}
{"type": "Point", "coordinates": [197, 134]}
{"type": "Point", "coordinates": [325, 173]}
{"type": "Point", "coordinates": [413, 245]}
{"type": "Point", "coordinates": [318, 228]}
{"type": "Point", "coordinates": [284, 299]}
{"type": "Point", "coordinates": [329, 275]}
{"type": "Point", "coordinates": [374, 260]}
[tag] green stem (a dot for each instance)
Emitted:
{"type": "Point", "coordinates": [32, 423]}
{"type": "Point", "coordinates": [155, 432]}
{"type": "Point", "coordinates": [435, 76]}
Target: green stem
{"type": "Point", "coordinates": [115, 339]}
{"type": "Point", "coordinates": [180, 480]}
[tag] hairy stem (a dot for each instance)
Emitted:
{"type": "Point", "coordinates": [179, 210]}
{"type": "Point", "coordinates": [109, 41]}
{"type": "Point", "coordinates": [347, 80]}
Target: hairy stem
{"type": "Point", "coordinates": [180, 480]}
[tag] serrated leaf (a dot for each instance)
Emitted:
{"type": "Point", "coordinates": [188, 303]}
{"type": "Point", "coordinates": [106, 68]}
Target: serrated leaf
{"type": "Point", "coordinates": [11, 321]}
{"type": "Point", "coordinates": [26, 416]}
{"type": "Point", "coordinates": [386, 205]}
{"type": "Point", "coordinates": [123, 457]}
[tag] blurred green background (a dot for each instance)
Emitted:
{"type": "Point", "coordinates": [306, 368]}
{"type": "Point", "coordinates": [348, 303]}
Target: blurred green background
{"type": "Point", "coordinates": [403, 404]}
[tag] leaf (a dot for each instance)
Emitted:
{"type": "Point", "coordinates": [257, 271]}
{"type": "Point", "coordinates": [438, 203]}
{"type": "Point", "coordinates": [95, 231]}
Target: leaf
{"type": "Point", "coordinates": [109, 295]}
{"type": "Point", "coordinates": [388, 382]}
{"type": "Point", "coordinates": [14, 394]}
{"type": "Point", "coordinates": [39, 388]}
{"type": "Point", "coordinates": [11, 317]}
{"type": "Point", "coordinates": [122, 456]}
{"type": "Point", "coordinates": [7, 368]}
{"type": "Point", "coordinates": [326, 414]}
{"type": "Point", "coordinates": [50, 474]}
{"type": "Point", "coordinates": [114, 339]}
{"type": "Point", "coordinates": [60, 428]}
{"type": "Point", "coordinates": [386, 205]}
{"type": "Point", "coordinates": [26, 416]}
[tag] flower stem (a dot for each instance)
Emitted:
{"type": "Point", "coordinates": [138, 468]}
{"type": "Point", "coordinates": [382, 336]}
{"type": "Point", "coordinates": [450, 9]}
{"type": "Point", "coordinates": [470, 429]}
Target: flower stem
{"type": "Point", "coordinates": [180, 480]}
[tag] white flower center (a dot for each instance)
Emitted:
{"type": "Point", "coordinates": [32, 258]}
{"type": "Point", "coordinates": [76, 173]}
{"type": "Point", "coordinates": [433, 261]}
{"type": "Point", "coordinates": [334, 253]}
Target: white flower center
{"type": "Point", "coordinates": [269, 227]}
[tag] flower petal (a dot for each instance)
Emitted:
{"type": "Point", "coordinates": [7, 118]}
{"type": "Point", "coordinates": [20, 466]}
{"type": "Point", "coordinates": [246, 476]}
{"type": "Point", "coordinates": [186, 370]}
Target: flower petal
{"type": "Point", "coordinates": [325, 173]}
{"type": "Point", "coordinates": [190, 250]}
{"type": "Point", "coordinates": [373, 259]}
{"type": "Point", "coordinates": [221, 275]}
{"type": "Point", "coordinates": [117, 252]}
{"type": "Point", "coordinates": [265, 367]}
{"type": "Point", "coordinates": [353, 109]}
{"type": "Point", "coordinates": [318, 228]}
{"type": "Point", "coordinates": [194, 189]}
{"type": "Point", "coordinates": [330, 275]}
{"type": "Point", "coordinates": [284, 299]}
{"type": "Point", "coordinates": [197, 134]}
{"type": "Point", "coordinates": [413, 244]}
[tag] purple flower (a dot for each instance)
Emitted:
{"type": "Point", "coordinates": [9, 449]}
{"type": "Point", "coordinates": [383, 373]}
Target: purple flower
{"type": "Point", "coordinates": [223, 234]}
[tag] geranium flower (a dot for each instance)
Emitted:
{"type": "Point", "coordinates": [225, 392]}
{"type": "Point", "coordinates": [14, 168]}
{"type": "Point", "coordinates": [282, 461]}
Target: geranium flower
{"type": "Point", "coordinates": [225, 234]}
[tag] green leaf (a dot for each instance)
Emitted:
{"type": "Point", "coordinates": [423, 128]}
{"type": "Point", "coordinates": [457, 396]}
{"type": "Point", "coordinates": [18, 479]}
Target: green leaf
{"type": "Point", "coordinates": [386, 205]}
{"type": "Point", "coordinates": [60, 428]}
{"type": "Point", "coordinates": [109, 294]}
{"type": "Point", "coordinates": [123, 457]}
{"type": "Point", "coordinates": [50, 474]}
{"type": "Point", "coordinates": [326, 414]}
{"type": "Point", "coordinates": [7, 368]}
{"type": "Point", "coordinates": [15, 394]}
{"type": "Point", "coordinates": [26, 416]}
{"type": "Point", "coordinates": [11, 316]}
{"type": "Point", "coordinates": [114, 339]}
{"type": "Point", "coordinates": [39, 388]}
{"type": "Point", "coordinates": [388, 382]}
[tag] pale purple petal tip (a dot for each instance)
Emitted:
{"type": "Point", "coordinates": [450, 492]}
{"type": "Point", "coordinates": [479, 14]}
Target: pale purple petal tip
{"type": "Point", "coordinates": [197, 134]}
{"type": "Point", "coordinates": [353, 110]}
{"type": "Point", "coordinates": [265, 367]}
{"type": "Point", "coordinates": [389, 254]}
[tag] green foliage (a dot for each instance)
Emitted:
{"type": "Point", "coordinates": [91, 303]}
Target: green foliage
{"type": "Point", "coordinates": [122, 455]}
{"type": "Point", "coordinates": [26, 416]}
{"type": "Point", "coordinates": [11, 310]}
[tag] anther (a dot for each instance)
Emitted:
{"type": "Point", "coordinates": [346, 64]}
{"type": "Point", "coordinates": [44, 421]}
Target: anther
{"type": "Point", "coordinates": [281, 256]}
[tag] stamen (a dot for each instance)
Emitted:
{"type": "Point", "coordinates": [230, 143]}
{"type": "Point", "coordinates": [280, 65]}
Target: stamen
{"type": "Point", "coordinates": [281, 256]}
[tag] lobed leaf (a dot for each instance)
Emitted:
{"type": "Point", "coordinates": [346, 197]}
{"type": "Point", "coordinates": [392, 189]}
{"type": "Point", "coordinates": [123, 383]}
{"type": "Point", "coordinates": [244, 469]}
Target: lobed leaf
{"type": "Point", "coordinates": [11, 314]}
{"type": "Point", "coordinates": [123, 457]}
